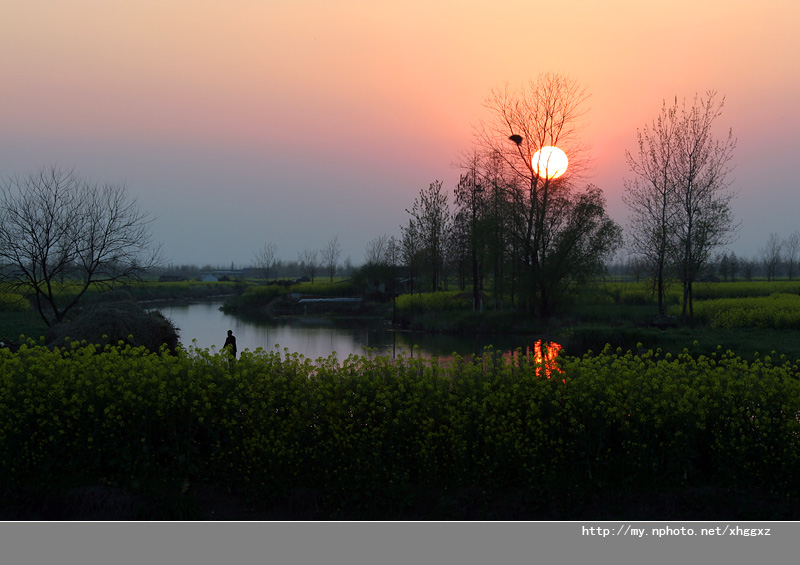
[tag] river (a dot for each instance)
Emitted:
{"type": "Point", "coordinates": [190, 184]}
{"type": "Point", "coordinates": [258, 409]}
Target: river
{"type": "Point", "coordinates": [204, 325]}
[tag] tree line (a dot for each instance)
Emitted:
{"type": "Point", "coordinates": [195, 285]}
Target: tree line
{"type": "Point", "coordinates": [530, 239]}
{"type": "Point", "coordinates": [513, 235]}
{"type": "Point", "coordinates": [679, 195]}
{"type": "Point", "coordinates": [310, 262]}
{"type": "Point", "coordinates": [778, 258]}
{"type": "Point", "coordinates": [512, 231]}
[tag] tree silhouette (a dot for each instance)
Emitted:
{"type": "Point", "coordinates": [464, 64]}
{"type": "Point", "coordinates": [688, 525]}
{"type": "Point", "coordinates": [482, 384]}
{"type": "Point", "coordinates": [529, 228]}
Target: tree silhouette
{"type": "Point", "coordinates": [57, 228]}
{"type": "Point", "coordinates": [330, 255]}
{"type": "Point", "coordinates": [546, 247]}
{"type": "Point", "coordinates": [679, 203]}
{"type": "Point", "coordinates": [430, 217]}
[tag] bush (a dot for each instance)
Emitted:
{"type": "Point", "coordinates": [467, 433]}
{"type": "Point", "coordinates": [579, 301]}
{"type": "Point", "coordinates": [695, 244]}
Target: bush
{"type": "Point", "coordinates": [364, 430]}
{"type": "Point", "coordinates": [114, 317]}
{"type": "Point", "coordinates": [254, 298]}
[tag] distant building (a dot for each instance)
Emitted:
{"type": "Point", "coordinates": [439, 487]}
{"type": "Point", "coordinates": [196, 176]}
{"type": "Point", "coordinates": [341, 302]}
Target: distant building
{"type": "Point", "coordinates": [224, 275]}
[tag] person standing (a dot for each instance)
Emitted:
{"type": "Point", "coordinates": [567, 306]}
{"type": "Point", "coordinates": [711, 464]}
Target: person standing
{"type": "Point", "coordinates": [230, 344]}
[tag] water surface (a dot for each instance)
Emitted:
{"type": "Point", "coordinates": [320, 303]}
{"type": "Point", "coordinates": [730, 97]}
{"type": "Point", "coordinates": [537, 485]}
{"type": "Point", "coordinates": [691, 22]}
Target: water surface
{"type": "Point", "coordinates": [206, 326]}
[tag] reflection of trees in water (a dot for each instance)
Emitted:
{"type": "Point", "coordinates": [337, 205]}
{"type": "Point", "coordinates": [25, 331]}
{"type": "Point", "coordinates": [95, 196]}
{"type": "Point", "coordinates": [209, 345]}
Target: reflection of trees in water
{"type": "Point", "coordinates": [314, 337]}
{"type": "Point", "coordinates": [444, 346]}
{"type": "Point", "coordinates": [542, 354]}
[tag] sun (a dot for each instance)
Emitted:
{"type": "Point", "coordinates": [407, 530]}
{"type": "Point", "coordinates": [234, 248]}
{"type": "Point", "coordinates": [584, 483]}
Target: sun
{"type": "Point", "coordinates": [550, 162]}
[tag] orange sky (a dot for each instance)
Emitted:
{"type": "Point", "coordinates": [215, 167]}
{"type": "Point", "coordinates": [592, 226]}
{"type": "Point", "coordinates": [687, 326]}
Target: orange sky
{"type": "Point", "coordinates": [246, 121]}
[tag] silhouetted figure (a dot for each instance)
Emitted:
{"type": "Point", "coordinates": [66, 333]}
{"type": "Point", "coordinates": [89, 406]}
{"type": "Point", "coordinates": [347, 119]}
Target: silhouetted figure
{"type": "Point", "coordinates": [515, 138]}
{"type": "Point", "coordinates": [230, 343]}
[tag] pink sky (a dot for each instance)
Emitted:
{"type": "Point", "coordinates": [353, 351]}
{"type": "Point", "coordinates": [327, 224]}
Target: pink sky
{"type": "Point", "coordinates": [246, 121]}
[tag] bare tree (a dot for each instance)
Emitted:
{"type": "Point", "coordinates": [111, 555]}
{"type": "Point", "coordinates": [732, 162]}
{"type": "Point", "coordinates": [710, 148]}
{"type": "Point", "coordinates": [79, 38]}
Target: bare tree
{"type": "Point", "coordinates": [309, 262]}
{"type": "Point", "coordinates": [377, 250]}
{"type": "Point", "coordinates": [411, 250]}
{"type": "Point", "coordinates": [457, 250]}
{"type": "Point", "coordinates": [651, 197]}
{"type": "Point", "coordinates": [330, 255]}
{"type": "Point", "coordinates": [705, 220]}
{"type": "Point", "coordinates": [547, 247]}
{"type": "Point", "coordinates": [771, 255]}
{"type": "Point", "coordinates": [393, 254]}
{"type": "Point", "coordinates": [431, 217]}
{"type": "Point", "coordinates": [734, 265]}
{"type": "Point", "coordinates": [471, 197]}
{"type": "Point", "coordinates": [748, 266]}
{"type": "Point", "coordinates": [497, 226]}
{"type": "Point", "coordinates": [679, 203]}
{"type": "Point", "coordinates": [347, 268]}
{"type": "Point", "coordinates": [265, 259]}
{"type": "Point", "coordinates": [792, 246]}
{"type": "Point", "coordinates": [57, 227]}
{"type": "Point", "coordinates": [724, 265]}
{"type": "Point", "coordinates": [382, 256]}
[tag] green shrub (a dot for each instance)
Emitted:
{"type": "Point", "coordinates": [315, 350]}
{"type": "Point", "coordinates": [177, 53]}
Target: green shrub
{"type": "Point", "coordinates": [255, 297]}
{"type": "Point", "coordinates": [363, 429]}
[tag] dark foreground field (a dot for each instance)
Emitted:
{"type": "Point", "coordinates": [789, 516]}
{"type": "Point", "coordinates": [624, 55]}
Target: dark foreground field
{"type": "Point", "coordinates": [207, 503]}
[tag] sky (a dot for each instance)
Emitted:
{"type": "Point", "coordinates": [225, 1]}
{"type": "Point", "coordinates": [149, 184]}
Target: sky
{"type": "Point", "coordinates": [234, 123]}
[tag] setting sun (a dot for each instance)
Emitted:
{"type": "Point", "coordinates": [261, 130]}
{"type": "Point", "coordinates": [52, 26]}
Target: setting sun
{"type": "Point", "coordinates": [550, 162]}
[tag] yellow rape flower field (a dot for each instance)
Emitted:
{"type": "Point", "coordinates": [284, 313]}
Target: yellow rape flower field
{"type": "Point", "coordinates": [374, 438]}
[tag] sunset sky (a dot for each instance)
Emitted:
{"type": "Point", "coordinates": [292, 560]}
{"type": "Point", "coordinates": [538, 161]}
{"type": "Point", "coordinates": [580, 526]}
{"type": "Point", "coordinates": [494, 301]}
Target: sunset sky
{"type": "Point", "coordinates": [239, 122]}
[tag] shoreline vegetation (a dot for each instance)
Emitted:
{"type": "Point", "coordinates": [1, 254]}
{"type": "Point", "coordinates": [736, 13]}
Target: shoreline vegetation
{"type": "Point", "coordinates": [747, 317]}
{"type": "Point", "coordinates": [751, 318]}
{"type": "Point", "coordinates": [641, 419]}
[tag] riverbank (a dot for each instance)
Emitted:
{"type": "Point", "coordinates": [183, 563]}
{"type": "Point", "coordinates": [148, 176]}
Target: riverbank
{"type": "Point", "coordinates": [623, 318]}
{"type": "Point", "coordinates": [578, 333]}
{"type": "Point", "coordinates": [576, 337]}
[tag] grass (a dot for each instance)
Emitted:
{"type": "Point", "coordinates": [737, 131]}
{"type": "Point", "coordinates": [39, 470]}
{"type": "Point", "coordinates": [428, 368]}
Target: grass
{"type": "Point", "coordinates": [14, 324]}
